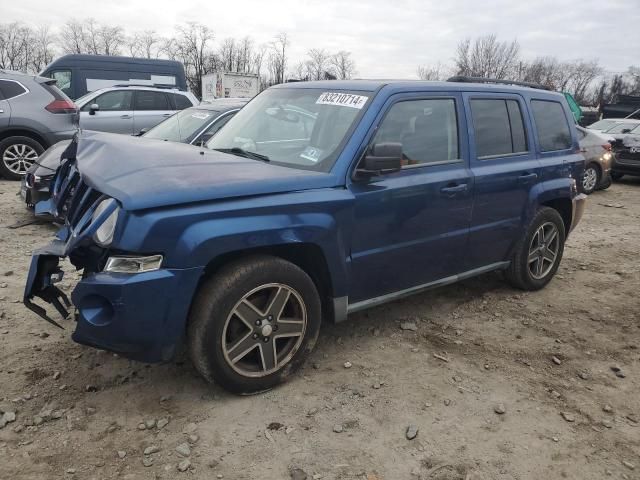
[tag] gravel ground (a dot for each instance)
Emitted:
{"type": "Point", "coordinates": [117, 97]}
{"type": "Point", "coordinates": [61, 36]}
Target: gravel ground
{"type": "Point", "coordinates": [492, 383]}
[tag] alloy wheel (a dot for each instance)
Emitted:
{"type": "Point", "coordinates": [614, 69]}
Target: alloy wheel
{"type": "Point", "coordinates": [18, 158]}
{"type": "Point", "coordinates": [543, 250]}
{"type": "Point", "coordinates": [589, 179]}
{"type": "Point", "coordinates": [264, 330]}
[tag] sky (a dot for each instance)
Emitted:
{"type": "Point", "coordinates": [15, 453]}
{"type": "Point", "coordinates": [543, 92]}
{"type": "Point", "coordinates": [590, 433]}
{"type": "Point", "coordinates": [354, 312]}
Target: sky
{"type": "Point", "coordinates": [387, 38]}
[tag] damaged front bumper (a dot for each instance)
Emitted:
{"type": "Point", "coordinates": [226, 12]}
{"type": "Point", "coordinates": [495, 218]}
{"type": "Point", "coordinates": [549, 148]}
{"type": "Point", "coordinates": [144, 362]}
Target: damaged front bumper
{"type": "Point", "coordinates": [141, 316]}
{"type": "Point", "coordinates": [44, 273]}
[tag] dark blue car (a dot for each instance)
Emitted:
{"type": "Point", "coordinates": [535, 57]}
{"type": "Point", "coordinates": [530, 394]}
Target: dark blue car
{"type": "Point", "coordinates": [316, 200]}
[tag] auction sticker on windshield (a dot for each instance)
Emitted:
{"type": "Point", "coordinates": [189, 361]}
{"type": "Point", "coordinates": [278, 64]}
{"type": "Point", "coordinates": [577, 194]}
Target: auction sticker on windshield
{"type": "Point", "coordinates": [342, 100]}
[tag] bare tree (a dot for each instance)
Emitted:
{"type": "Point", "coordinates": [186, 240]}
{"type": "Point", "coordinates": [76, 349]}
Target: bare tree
{"type": "Point", "coordinates": [300, 71]}
{"type": "Point", "coordinates": [343, 66]}
{"type": "Point", "coordinates": [14, 46]}
{"type": "Point", "coordinates": [277, 59]}
{"type": "Point", "coordinates": [487, 57]}
{"type": "Point", "coordinates": [317, 63]}
{"type": "Point", "coordinates": [147, 44]}
{"type": "Point", "coordinates": [435, 72]}
{"type": "Point", "coordinates": [91, 36]}
{"type": "Point", "coordinates": [42, 49]}
{"type": "Point", "coordinates": [192, 47]}
{"type": "Point", "coordinates": [111, 40]}
{"type": "Point", "coordinates": [72, 37]}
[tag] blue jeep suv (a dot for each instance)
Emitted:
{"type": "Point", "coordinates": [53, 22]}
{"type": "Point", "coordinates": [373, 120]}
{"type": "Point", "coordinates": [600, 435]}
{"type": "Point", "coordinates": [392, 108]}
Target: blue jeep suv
{"type": "Point", "coordinates": [318, 199]}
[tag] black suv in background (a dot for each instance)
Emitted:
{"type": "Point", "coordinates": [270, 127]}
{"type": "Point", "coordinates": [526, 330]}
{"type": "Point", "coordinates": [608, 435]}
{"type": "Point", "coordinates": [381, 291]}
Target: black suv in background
{"type": "Point", "coordinates": [34, 114]}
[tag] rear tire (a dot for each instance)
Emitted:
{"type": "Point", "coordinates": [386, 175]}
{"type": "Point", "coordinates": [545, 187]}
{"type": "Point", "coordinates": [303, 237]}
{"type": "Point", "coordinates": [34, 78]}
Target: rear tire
{"type": "Point", "coordinates": [538, 253]}
{"type": "Point", "coordinates": [606, 183]}
{"type": "Point", "coordinates": [17, 154]}
{"type": "Point", "coordinates": [236, 321]}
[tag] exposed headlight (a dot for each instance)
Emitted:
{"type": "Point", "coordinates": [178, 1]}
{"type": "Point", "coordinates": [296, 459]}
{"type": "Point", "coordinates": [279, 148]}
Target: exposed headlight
{"type": "Point", "coordinates": [104, 234]}
{"type": "Point", "coordinates": [133, 264]}
{"type": "Point", "coordinates": [607, 156]}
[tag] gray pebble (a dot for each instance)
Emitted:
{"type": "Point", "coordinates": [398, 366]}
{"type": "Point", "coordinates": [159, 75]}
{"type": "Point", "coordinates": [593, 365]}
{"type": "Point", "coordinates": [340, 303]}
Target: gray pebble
{"type": "Point", "coordinates": [412, 432]}
{"type": "Point", "coordinates": [184, 465]}
{"type": "Point", "coordinates": [183, 449]}
{"type": "Point", "coordinates": [151, 450]}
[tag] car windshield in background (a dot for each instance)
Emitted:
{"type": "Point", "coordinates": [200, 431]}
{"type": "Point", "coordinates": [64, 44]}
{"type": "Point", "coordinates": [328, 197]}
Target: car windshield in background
{"type": "Point", "coordinates": [602, 125]}
{"type": "Point", "coordinates": [622, 128]}
{"type": "Point", "coordinates": [294, 127]}
{"type": "Point", "coordinates": [182, 126]}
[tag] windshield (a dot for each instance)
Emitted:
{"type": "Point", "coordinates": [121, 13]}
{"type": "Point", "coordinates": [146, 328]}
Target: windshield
{"type": "Point", "coordinates": [621, 127]}
{"type": "Point", "coordinates": [294, 127]}
{"type": "Point", "coordinates": [602, 124]}
{"type": "Point", "coordinates": [182, 126]}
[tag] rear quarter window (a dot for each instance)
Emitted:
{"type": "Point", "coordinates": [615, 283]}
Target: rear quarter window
{"type": "Point", "coordinates": [181, 101]}
{"type": "Point", "coordinates": [11, 89]}
{"type": "Point", "coordinates": [552, 126]}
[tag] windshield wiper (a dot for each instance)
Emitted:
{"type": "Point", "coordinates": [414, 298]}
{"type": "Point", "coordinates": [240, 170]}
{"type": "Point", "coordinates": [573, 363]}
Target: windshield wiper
{"type": "Point", "coordinates": [243, 153]}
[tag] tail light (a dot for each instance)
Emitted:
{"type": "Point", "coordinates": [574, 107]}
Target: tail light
{"type": "Point", "coordinates": [61, 106]}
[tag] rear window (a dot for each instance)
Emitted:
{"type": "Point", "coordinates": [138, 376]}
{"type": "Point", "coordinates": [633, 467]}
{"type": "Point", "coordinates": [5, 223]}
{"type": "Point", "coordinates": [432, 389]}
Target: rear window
{"type": "Point", "coordinates": [11, 89]}
{"type": "Point", "coordinates": [602, 124]}
{"type": "Point", "coordinates": [552, 125]}
{"type": "Point", "coordinates": [150, 100]}
{"type": "Point", "coordinates": [181, 101]}
{"type": "Point", "coordinates": [499, 128]}
{"type": "Point", "coordinates": [55, 91]}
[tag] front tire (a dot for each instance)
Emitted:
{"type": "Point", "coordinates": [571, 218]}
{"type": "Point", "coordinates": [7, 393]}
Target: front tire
{"type": "Point", "coordinates": [590, 179]}
{"type": "Point", "coordinates": [253, 324]}
{"type": "Point", "coordinates": [537, 255]}
{"type": "Point", "coordinates": [17, 155]}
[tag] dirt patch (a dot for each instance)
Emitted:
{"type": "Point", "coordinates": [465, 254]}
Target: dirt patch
{"type": "Point", "coordinates": [477, 377]}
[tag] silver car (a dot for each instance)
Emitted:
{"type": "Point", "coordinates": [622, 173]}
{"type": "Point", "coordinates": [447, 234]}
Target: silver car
{"type": "Point", "coordinates": [130, 108]}
{"type": "Point", "coordinates": [34, 114]}
{"type": "Point", "coordinates": [598, 155]}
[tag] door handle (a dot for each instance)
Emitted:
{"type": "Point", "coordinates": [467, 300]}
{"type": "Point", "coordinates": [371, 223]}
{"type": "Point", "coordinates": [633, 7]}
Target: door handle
{"type": "Point", "coordinates": [1, 111]}
{"type": "Point", "coordinates": [167, 114]}
{"type": "Point", "coordinates": [454, 189]}
{"type": "Point", "coordinates": [526, 177]}
{"type": "Point", "coordinates": [125, 116]}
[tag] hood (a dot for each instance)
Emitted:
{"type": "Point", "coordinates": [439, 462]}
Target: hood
{"type": "Point", "coordinates": [143, 173]}
{"type": "Point", "coordinates": [49, 161]}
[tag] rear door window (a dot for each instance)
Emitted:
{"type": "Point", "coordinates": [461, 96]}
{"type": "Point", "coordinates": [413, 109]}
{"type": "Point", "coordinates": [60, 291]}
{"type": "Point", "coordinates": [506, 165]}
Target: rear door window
{"type": "Point", "coordinates": [150, 100]}
{"type": "Point", "coordinates": [552, 125]}
{"type": "Point", "coordinates": [11, 89]}
{"type": "Point", "coordinates": [498, 126]}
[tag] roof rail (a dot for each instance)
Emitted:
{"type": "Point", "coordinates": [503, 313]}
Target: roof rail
{"type": "Point", "coordinates": [151, 85]}
{"type": "Point", "coordinates": [464, 79]}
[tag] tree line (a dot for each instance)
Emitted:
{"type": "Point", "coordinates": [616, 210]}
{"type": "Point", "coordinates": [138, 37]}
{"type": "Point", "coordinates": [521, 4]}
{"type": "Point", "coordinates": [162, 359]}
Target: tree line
{"type": "Point", "coordinates": [487, 57]}
{"type": "Point", "coordinates": [29, 49]}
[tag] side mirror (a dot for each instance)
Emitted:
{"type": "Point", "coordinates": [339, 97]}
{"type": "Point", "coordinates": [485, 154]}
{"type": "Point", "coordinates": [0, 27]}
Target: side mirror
{"type": "Point", "coordinates": [381, 158]}
{"type": "Point", "coordinates": [142, 132]}
{"type": "Point", "coordinates": [94, 108]}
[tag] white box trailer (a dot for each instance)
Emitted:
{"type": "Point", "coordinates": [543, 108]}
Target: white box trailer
{"type": "Point", "coordinates": [229, 85]}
